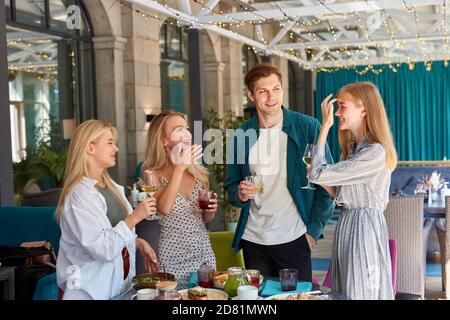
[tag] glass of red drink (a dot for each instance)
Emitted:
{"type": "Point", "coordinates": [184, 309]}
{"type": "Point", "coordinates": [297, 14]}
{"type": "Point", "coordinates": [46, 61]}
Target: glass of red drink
{"type": "Point", "coordinates": [203, 198]}
{"type": "Point", "coordinates": [252, 276]}
{"type": "Point", "coordinates": [205, 276]}
{"type": "Point", "coordinates": [288, 279]}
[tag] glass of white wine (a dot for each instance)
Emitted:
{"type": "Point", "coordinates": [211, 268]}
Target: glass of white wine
{"type": "Point", "coordinates": [151, 185]}
{"type": "Point", "coordinates": [307, 157]}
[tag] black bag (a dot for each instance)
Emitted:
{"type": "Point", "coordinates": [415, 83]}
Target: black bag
{"type": "Point", "coordinates": [19, 256]}
{"type": "Point", "coordinates": [27, 272]}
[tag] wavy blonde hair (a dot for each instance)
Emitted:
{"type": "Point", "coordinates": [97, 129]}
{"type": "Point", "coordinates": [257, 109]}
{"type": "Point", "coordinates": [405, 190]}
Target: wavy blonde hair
{"type": "Point", "coordinates": [155, 153]}
{"type": "Point", "coordinates": [77, 165]}
{"type": "Point", "coordinates": [376, 127]}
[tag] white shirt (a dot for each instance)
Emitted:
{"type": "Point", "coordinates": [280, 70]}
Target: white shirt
{"type": "Point", "coordinates": [90, 263]}
{"type": "Point", "coordinates": [274, 217]}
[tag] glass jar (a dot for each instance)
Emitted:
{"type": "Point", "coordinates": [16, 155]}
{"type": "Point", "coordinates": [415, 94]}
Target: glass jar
{"type": "Point", "coordinates": [234, 281]}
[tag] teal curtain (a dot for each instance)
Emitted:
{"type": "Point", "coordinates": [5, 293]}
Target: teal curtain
{"type": "Point", "coordinates": [417, 103]}
{"type": "Point", "coordinates": [176, 95]}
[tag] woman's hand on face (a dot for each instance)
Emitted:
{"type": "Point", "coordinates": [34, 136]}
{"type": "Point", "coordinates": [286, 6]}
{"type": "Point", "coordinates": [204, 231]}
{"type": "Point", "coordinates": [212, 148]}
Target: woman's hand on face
{"type": "Point", "coordinates": [146, 208]}
{"type": "Point", "coordinates": [328, 112]}
{"type": "Point", "coordinates": [212, 205]}
{"type": "Point", "coordinates": [184, 157]}
{"type": "Point", "coordinates": [149, 256]}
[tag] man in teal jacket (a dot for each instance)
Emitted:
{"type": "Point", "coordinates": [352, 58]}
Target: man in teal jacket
{"type": "Point", "coordinates": [278, 227]}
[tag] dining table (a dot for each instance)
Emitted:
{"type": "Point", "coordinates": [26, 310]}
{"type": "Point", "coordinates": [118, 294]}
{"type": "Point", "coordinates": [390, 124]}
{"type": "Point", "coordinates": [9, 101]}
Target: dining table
{"type": "Point", "coordinates": [434, 210]}
{"type": "Point", "coordinates": [128, 294]}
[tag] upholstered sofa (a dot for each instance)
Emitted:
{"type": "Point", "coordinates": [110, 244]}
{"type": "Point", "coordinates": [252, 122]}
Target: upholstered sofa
{"type": "Point", "coordinates": [407, 177]}
{"type": "Point", "coordinates": [22, 224]}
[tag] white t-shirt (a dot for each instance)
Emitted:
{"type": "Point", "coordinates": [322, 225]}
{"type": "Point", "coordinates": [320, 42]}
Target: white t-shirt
{"type": "Point", "coordinates": [274, 217]}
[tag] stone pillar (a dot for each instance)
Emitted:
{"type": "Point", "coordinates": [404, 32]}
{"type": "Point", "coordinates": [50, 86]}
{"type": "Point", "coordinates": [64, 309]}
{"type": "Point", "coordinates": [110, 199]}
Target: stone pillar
{"type": "Point", "coordinates": [142, 83]}
{"type": "Point", "coordinates": [111, 94]}
{"type": "Point", "coordinates": [6, 170]}
{"type": "Point", "coordinates": [282, 64]}
{"type": "Point", "coordinates": [214, 78]}
{"type": "Point", "coordinates": [233, 81]}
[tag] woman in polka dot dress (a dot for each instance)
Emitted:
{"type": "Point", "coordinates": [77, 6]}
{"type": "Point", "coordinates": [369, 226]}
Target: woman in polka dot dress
{"type": "Point", "coordinates": [184, 243]}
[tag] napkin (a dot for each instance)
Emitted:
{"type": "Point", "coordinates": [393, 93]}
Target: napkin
{"type": "Point", "coordinates": [193, 280]}
{"type": "Point", "coordinates": [271, 288]}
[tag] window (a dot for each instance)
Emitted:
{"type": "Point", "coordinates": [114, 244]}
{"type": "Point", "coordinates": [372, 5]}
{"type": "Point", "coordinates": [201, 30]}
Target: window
{"type": "Point", "coordinates": [50, 70]}
{"type": "Point", "coordinates": [31, 13]}
{"type": "Point", "coordinates": [174, 67]}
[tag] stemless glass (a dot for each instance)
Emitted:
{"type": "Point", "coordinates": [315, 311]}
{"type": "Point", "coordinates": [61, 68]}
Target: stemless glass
{"type": "Point", "coordinates": [307, 157]}
{"type": "Point", "coordinates": [203, 198]}
{"type": "Point", "coordinates": [257, 183]}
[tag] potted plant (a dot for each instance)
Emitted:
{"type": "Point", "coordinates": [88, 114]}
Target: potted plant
{"type": "Point", "coordinates": [218, 170]}
{"type": "Point", "coordinates": [43, 165]}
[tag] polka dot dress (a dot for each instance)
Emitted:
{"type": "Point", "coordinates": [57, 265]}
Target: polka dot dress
{"type": "Point", "coordinates": [184, 242]}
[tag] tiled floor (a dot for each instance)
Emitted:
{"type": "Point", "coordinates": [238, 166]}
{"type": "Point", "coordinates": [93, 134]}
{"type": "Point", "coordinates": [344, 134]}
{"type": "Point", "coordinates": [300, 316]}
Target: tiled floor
{"type": "Point", "coordinates": [433, 288]}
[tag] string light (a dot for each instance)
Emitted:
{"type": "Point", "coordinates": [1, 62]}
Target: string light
{"type": "Point", "coordinates": [349, 54]}
{"type": "Point", "coordinates": [369, 68]}
{"type": "Point", "coordinates": [445, 30]}
{"type": "Point", "coordinates": [420, 39]}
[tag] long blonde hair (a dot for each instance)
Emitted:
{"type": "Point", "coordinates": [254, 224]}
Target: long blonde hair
{"type": "Point", "coordinates": [155, 153]}
{"type": "Point", "coordinates": [376, 127]}
{"type": "Point", "coordinates": [77, 165]}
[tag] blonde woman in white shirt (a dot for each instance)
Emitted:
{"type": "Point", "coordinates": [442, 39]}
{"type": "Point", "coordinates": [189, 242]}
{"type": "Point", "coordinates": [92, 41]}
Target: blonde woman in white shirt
{"type": "Point", "coordinates": [96, 257]}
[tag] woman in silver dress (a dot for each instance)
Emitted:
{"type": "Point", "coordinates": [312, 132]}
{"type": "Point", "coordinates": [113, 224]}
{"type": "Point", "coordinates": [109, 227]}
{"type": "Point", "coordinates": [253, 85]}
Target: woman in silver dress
{"type": "Point", "coordinates": [360, 184]}
{"type": "Point", "coordinates": [184, 243]}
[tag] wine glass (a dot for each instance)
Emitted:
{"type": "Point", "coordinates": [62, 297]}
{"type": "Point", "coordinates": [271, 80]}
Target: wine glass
{"type": "Point", "coordinates": [151, 185]}
{"type": "Point", "coordinates": [307, 156]}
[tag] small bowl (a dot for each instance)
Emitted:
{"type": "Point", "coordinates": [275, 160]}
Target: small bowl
{"type": "Point", "coordinates": [166, 285]}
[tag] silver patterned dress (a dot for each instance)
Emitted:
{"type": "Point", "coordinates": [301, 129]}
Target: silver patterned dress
{"type": "Point", "coordinates": [360, 256]}
{"type": "Point", "coordinates": [184, 243]}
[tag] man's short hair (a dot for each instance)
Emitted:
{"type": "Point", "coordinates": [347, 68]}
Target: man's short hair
{"type": "Point", "coordinates": [261, 70]}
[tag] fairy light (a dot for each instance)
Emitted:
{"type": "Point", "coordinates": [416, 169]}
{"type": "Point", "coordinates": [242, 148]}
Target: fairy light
{"type": "Point", "coordinates": [330, 27]}
{"type": "Point", "coordinates": [445, 31]}
{"type": "Point", "coordinates": [307, 23]}
{"type": "Point", "coordinates": [420, 39]}
{"type": "Point", "coordinates": [388, 26]}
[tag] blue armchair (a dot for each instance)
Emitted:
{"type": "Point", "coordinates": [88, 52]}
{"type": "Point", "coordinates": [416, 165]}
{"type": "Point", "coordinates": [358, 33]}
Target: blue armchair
{"type": "Point", "coordinates": [23, 224]}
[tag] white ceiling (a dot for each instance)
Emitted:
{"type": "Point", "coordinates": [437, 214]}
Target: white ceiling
{"type": "Point", "coordinates": [325, 33]}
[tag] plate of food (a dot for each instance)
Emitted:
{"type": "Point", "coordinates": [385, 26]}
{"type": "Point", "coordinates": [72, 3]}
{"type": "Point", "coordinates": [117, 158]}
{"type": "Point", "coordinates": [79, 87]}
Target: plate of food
{"type": "Point", "coordinates": [150, 280]}
{"type": "Point", "coordinates": [221, 277]}
{"type": "Point", "coordinates": [312, 295]}
{"type": "Point", "coordinates": [199, 293]}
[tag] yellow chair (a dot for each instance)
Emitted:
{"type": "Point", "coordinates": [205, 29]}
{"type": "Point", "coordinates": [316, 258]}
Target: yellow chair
{"type": "Point", "coordinates": [221, 244]}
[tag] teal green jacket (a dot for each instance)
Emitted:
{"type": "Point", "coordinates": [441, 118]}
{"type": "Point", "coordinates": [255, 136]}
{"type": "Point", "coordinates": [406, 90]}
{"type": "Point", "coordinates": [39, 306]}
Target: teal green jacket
{"type": "Point", "coordinates": [315, 206]}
